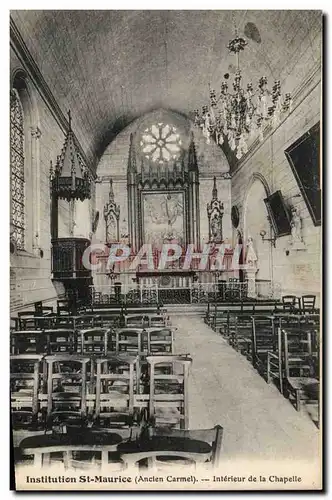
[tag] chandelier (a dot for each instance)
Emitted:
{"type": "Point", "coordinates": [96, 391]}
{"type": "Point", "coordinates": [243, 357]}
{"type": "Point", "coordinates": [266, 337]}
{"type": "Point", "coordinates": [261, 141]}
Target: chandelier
{"type": "Point", "coordinates": [241, 114]}
{"type": "Point", "coordinates": [70, 179]}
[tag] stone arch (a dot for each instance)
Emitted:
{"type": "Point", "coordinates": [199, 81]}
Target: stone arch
{"type": "Point", "coordinates": [255, 219]}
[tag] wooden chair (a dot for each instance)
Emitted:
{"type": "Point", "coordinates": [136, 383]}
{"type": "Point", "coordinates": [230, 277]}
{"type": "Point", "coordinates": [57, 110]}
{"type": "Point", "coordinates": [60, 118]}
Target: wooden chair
{"type": "Point", "coordinates": [308, 303]}
{"type": "Point", "coordinates": [168, 395]}
{"type": "Point", "coordinates": [63, 307]}
{"type": "Point", "coordinates": [239, 332]}
{"type": "Point", "coordinates": [157, 320]}
{"type": "Point", "coordinates": [65, 321]}
{"type": "Point", "coordinates": [136, 321]}
{"type": "Point", "coordinates": [86, 450]}
{"type": "Point", "coordinates": [128, 340]}
{"type": "Point", "coordinates": [211, 436]}
{"type": "Point", "coordinates": [31, 320]}
{"type": "Point", "coordinates": [86, 321]}
{"type": "Point", "coordinates": [301, 377]}
{"type": "Point", "coordinates": [274, 363]}
{"type": "Point", "coordinates": [111, 320]}
{"type": "Point", "coordinates": [165, 448]}
{"type": "Point", "coordinates": [25, 381]}
{"type": "Point", "coordinates": [28, 342]}
{"type": "Point", "coordinates": [114, 393]}
{"type": "Point", "coordinates": [66, 389]}
{"type": "Point", "coordinates": [94, 341]}
{"type": "Point", "coordinates": [160, 340]}
{"type": "Point", "coordinates": [265, 339]}
{"type": "Point", "coordinates": [300, 327]}
{"type": "Point", "coordinates": [289, 303]}
{"type": "Point", "coordinates": [208, 314]}
{"type": "Point", "coordinates": [61, 340]}
{"type": "Point", "coordinates": [220, 319]}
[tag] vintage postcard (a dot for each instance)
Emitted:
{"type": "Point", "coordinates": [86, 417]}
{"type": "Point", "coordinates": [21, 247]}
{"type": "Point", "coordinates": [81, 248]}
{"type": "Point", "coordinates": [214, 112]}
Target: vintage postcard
{"type": "Point", "coordinates": [165, 249]}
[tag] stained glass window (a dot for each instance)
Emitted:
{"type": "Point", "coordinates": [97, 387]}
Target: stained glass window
{"type": "Point", "coordinates": [17, 169]}
{"type": "Point", "coordinates": [161, 143]}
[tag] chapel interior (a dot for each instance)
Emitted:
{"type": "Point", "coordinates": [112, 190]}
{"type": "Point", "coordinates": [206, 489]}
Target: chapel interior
{"type": "Point", "coordinates": [165, 238]}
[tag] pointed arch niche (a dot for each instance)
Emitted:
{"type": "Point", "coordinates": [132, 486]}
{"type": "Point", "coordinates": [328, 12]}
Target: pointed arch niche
{"type": "Point", "coordinates": [255, 218]}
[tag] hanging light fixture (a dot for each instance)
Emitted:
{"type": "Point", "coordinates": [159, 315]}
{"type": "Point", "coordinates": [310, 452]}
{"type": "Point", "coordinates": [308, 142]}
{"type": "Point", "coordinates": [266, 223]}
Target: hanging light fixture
{"type": "Point", "coordinates": [241, 114]}
{"type": "Point", "coordinates": [70, 179]}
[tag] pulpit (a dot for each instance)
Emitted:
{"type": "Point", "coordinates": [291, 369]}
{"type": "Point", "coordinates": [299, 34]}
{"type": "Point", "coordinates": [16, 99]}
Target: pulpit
{"type": "Point", "coordinates": [68, 268]}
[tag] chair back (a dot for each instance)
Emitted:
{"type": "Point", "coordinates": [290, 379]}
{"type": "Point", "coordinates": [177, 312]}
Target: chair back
{"type": "Point", "coordinates": [135, 320]}
{"type": "Point", "coordinates": [168, 378]}
{"type": "Point", "coordinates": [308, 303]}
{"type": "Point", "coordinates": [160, 340]}
{"type": "Point", "coordinates": [94, 341]}
{"type": "Point", "coordinates": [299, 359]}
{"type": "Point", "coordinates": [157, 320]}
{"type": "Point", "coordinates": [61, 340]}
{"type": "Point", "coordinates": [289, 302]}
{"type": "Point", "coordinates": [26, 320]}
{"type": "Point", "coordinates": [66, 388]}
{"type": "Point", "coordinates": [264, 340]}
{"type": "Point", "coordinates": [115, 383]}
{"type": "Point", "coordinates": [28, 342]}
{"type": "Point", "coordinates": [25, 382]}
{"type": "Point", "coordinates": [128, 340]}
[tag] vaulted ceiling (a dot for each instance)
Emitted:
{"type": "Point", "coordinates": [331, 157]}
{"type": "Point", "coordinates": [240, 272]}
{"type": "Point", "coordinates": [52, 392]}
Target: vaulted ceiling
{"type": "Point", "coordinates": [110, 67]}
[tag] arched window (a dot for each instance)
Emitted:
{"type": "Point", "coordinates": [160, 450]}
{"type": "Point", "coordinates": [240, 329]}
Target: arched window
{"type": "Point", "coordinates": [17, 173]}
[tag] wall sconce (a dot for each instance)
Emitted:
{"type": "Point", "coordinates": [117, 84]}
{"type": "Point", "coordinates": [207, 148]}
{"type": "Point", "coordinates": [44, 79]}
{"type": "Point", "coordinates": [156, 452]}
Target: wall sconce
{"type": "Point", "coordinates": [273, 240]}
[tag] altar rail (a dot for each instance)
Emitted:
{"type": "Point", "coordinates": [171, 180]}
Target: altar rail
{"type": "Point", "coordinates": [228, 260]}
{"type": "Point", "coordinates": [194, 293]}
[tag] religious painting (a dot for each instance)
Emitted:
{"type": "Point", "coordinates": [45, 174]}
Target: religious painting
{"type": "Point", "coordinates": [304, 158]}
{"type": "Point", "coordinates": [278, 213]}
{"type": "Point", "coordinates": [163, 217]}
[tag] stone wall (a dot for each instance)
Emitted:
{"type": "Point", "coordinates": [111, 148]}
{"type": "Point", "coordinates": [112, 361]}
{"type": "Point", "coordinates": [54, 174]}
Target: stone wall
{"type": "Point", "coordinates": [30, 270]}
{"type": "Point", "coordinates": [298, 272]}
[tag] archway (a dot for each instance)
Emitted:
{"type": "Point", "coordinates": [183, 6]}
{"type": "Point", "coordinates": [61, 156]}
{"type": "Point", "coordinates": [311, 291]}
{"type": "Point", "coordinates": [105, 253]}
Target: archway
{"type": "Point", "coordinates": [255, 219]}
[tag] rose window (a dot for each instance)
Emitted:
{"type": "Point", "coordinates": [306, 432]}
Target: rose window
{"type": "Point", "coordinates": [161, 143]}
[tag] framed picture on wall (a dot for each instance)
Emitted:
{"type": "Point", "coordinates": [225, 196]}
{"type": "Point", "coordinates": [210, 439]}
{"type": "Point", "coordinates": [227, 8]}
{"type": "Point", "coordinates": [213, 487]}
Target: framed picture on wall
{"type": "Point", "coordinates": [278, 213]}
{"type": "Point", "coordinates": [304, 158]}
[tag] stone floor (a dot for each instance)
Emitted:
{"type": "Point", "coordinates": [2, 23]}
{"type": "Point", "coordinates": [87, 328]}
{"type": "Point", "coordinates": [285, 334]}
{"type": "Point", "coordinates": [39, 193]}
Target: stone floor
{"type": "Point", "coordinates": [225, 389]}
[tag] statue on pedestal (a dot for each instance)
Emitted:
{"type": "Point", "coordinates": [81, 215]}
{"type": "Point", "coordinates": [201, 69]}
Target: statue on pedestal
{"type": "Point", "coordinates": [251, 257]}
{"type": "Point", "coordinates": [215, 212]}
{"type": "Point", "coordinates": [296, 240]}
{"type": "Point", "coordinates": [251, 268]}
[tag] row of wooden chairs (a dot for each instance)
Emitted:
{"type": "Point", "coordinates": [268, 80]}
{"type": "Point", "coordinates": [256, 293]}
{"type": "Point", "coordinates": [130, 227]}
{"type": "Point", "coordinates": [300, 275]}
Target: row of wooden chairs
{"type": "Point", "coordinates": [31, 321]}
{"type": "Point", "coordinates": [219, 317]}
{"type": "Point", "coordinates": [304, 304]}
{"type": "Point", "coordinates": [95, 341]}
{"type": "Point", "coordinates": [115, 390]}
{"type": "Point", "coordinates": [158, 449]}
{"type": "Point", "coordinates": [279, 345]}
{"type": "Point", "coordinates": [216, 314]}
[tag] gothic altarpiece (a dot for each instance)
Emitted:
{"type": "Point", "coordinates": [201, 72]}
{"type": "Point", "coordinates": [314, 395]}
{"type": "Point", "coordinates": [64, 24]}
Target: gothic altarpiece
{"type": "Point", "coordinates": [163, 196]}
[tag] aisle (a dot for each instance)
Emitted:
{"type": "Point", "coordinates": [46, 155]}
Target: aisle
{"type": "Point", "coordinates": [226, 390]}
